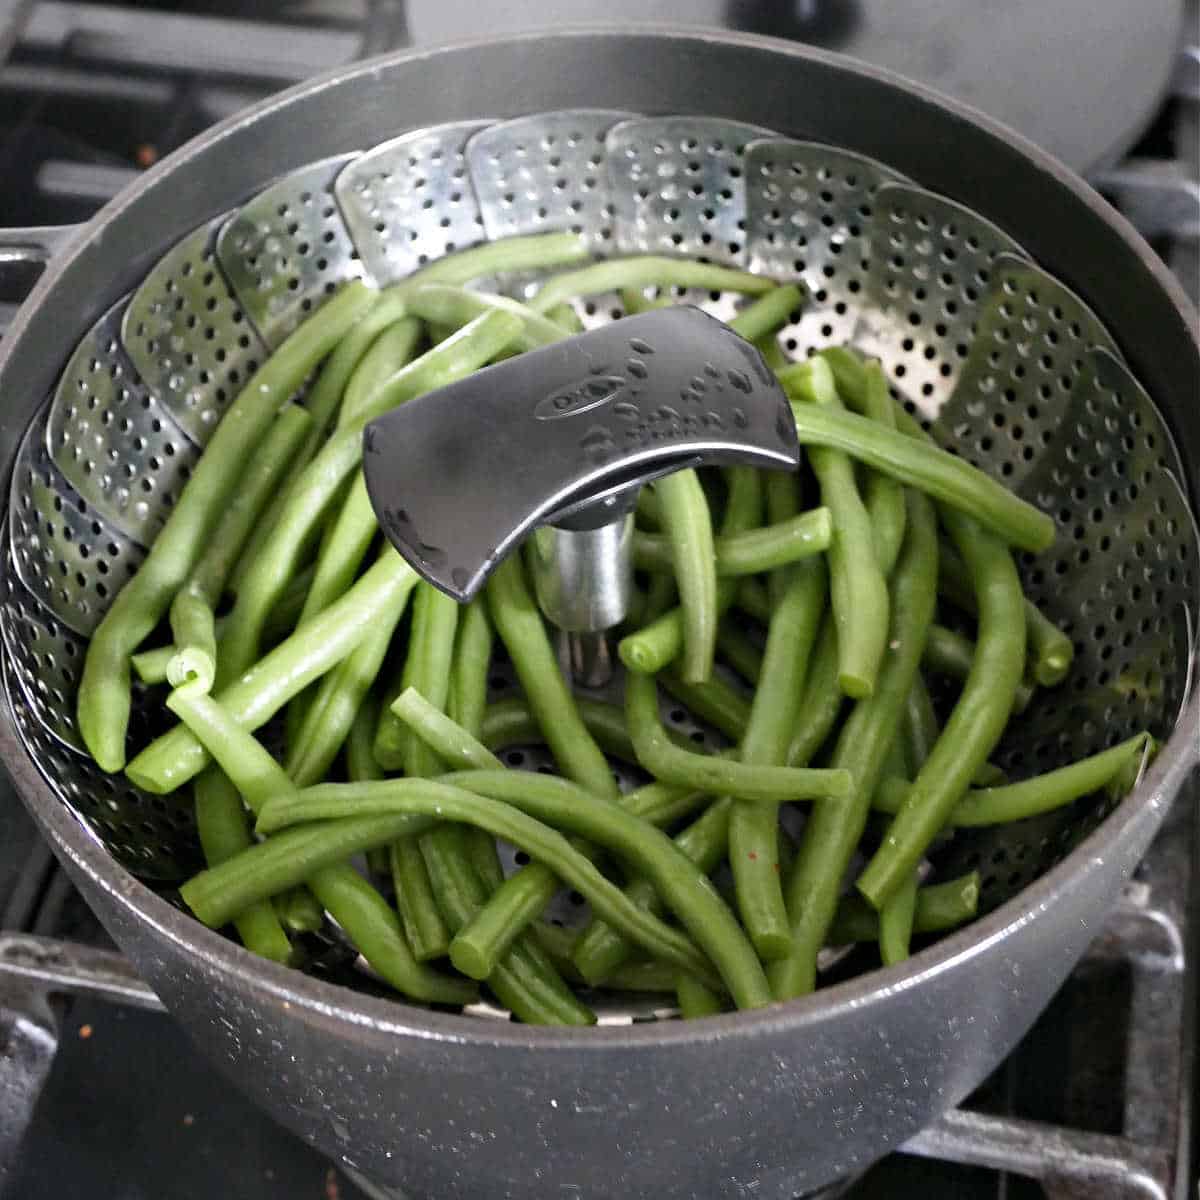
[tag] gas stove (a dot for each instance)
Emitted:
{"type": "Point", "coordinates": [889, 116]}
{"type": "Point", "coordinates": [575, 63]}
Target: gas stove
{"type": "Point", "coordinates": [101, 1094]}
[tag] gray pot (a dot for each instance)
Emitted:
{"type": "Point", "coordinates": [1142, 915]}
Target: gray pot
{"type": "Point", "coordinates": [764, 1104]}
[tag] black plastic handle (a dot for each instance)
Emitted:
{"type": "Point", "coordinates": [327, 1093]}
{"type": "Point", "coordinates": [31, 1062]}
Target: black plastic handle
{"type": "Point", "coordinates": [458, 477]}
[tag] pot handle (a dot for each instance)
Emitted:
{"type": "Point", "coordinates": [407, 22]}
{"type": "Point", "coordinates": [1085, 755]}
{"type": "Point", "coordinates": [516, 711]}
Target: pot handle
{"type": "Point", "coordinates": [55, 967]}
{"type": "Point", "coordinates": [24, 254]}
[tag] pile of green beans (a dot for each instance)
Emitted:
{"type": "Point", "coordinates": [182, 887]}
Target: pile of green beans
{"type": "Point", "coordinates": [806, 618]}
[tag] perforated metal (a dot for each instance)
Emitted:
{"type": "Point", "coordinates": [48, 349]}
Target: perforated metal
{"type": "Point", "coordinates": [409, 200]}
{"type": "Point", "coordinates": [1031, 343]}
{"type": "Point", "coordinates": [153, 836]}
{"type": "Point", "coordinates": [112, 439]}
{"type": "Point", "coordinates": [44, 656]}
{"type": "Point", "coordinates": [678, 186]}
{"type": "Point", "coordinates": [808, 211]}
{"type": "Point", "coordinates": [187, 336]}
{"type": "Point", "coordinates": [63, 551]}
{"type": "Point", "coordinates": [287, 250]}
{"type": "Point", "coordinates": [545, 172]}
{"type": "Point", "coordinates": [930, 262]}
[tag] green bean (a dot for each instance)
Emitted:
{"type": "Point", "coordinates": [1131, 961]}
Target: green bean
{"type": "Point", "coordinates": [712, 701]}
{"type": "Point", "coordinates": [863, 387]}
{"type": "Point", "coordinates": [781, 490]}
{"type": "Point", "coordinates": [104, 697]}
{"type": "Point", "coordinates": [988, 775]}
{"type": "Point", "coordinates": [1050, 650]}
{"type": "Point", "coordinates": [857, 583]}
{"type": "Point", "coordinates": [849, 374]}
{"type": "Point", "coordinates": [620, 273]}
{"type": "Point", "coordinates": [978, 717]}
{"type": "Point", "coordinates": [920, 464]}
{"type": "Point", "coordinates": [652, 648]}
{"type": "Point", "coordinates": [898, 914]}
{"type": "Point", "coordinates": [526, 982]}
{"type": "Point", "coordinates": [601, 949]}
{"type": "Point", "coordinates": [669, 763]}
{"type": "Point", "coordinates": [314, 490]}
{"type": "Point", "coordinates": [660, 595]}
{"type": "Point", "coordinates": [643, 976]}
{"type": "Point", "coordinates": [420, 913]}
{"type": "Point", "coordinates": [649, 852]}
{"type": "Point", "coordinates": [479, 945]}
{"type": "Point", "coordinates": [322, 403]}
{"type": "Point", "coordinates": [833, 831]}
{"type": "Point", "coordinates": [565, 316]}
{"type": "Point", "coordinates": [749, 553]}
{"type": "Point", "coordinates": [528, 252]}
{"type": "Point", "coordinates": [485, 939]}
{"type": "Point", "coordinates": [1002, 804]}
{"type": "Point", "coordinates": [193, 623]}
{"type": "Point", "coordinates": [939, 906]}
{"type": "Point", "coordinates": [282, 619]}
{"type": "Point", "coordinates": [753, 828]}
{"type": "Point", "coordinates": [739, 651]}
{"type": "Point", "coordinates": [221, 824]}
{"type": "Point", "coordinates": [354, 904]}
{"type": "Point", "coordinates": [472, 662]}
{"type": "Point", "coordinates": [455, 306]}
{"type": "Point", "coordinates": [360, 759]}
{"type": "Point", "coordinates": [510, 722]}
{"type": "Point", "coordinates": [445, 738]}
{"type": "Point", "coordinates": [754, 600]}
{"type": "Point", "coordinates": [361, 766]}
{"type": "Point", "coordinates": [392, 350]}
{"type": "Point", "coordinates": [427, 668]}
{"type": "Point", "coordinates": [515, 900]}
{"type": "Point", "coordinates": [695, 999]}
{"type": "Point", "coordinates": [657, 803]}
{"type": "Point", "coordinates": [175, 757]}
{"type": "Point", "coordinates": [351, 533]}
{"type": "Point", "coordinates": [884, 496]}
{"type": "Point", "coordinates": [267, 868]}
{"type": "Point", "coordinates": [647, 510]}
{"type": "Point", "coordinates": [634, 301]}
{"type": "Point", "coordinates": [299, 911]}
{"type": "Point", "coordinates": [768, 312]}
{"type": "Point", "coordinates": [339, 698]}
{"type": "Point", "coordinates": [689, 534]}
{"type": "Point", "coordinates": [768, 346]}
{"type": "Point", "coordinates": [919, 726]}
{"type": "Point", "coordinates": [821, 701]}
{"type": "Point", "coordinates": [951, 654]}
{"type": "Point", "coordinates": [513, 819]}
{"type": "Point", "coordinates": [519, 624]}
{"type": "Point", "coordinates": [151, 665]}
{"type": "Point", "coordinates": [376, 931]}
